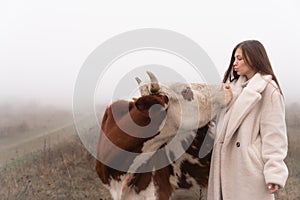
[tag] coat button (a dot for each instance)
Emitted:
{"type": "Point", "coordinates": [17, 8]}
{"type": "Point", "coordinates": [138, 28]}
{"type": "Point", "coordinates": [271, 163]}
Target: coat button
{"type": "Point", "coordinates": [238, 144]}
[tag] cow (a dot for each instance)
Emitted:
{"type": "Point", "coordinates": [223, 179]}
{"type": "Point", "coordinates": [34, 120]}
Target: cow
{"type": "Point", "coordinates": [146, 126]}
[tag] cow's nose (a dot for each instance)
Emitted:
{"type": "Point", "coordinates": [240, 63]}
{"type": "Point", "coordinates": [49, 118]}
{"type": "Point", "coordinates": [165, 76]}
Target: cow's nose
{"type": "Point", "coordinates": [228, 93]}
{"type": "Point", "coordinates": [226, 86]}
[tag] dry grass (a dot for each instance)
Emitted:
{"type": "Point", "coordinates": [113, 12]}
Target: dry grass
{"type": "Point", "coordinates": [63, 172]}
{"type": "Point", "coordinates": [291, 190]}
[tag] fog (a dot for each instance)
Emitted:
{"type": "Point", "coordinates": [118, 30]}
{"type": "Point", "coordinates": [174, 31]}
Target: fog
{"type": "Point", "coordinates": [43, 44]}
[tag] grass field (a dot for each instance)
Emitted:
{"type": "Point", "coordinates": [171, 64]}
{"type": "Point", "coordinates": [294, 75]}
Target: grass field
{"type": "Point", "coordinates": [57, 166]}
{"type": "Point", "coordinates": [65, 171]}
{"type": "Point", "coordinates": [291, 190]}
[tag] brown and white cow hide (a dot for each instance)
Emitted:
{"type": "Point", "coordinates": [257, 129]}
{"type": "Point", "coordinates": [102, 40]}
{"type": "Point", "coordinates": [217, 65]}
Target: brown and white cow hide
{"type": "Point", "coordinates": [185, 178]}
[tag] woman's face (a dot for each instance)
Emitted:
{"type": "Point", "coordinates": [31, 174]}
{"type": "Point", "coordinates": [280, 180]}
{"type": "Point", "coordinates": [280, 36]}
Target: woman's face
{"type": "Point", "coordinates": [240, 66]}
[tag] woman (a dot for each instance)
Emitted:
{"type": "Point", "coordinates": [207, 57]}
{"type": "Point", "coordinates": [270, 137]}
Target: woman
{"type": "Point", "coordinates": [251, 139]}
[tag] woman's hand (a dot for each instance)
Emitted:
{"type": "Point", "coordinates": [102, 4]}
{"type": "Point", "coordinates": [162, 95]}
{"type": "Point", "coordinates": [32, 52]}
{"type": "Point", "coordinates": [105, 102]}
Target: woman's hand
{"type": "Point", "coordinates": [273, 188]}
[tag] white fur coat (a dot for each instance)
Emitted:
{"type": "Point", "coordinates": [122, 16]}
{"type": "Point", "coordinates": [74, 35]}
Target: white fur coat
{"type": "Point", "coordinates": [251, 143]}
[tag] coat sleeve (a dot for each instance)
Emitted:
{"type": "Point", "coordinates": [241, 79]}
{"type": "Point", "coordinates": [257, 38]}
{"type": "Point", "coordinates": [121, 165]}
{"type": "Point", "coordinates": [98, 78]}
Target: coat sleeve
{"type": "Point", "coordinates": [274, 137]}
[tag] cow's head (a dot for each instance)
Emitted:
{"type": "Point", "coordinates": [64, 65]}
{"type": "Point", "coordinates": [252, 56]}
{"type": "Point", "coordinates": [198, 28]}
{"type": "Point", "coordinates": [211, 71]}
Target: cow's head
{"type": "Point", "coordinates": [189, 105]}
{"type": "Point", "coordinates": [152, 104]}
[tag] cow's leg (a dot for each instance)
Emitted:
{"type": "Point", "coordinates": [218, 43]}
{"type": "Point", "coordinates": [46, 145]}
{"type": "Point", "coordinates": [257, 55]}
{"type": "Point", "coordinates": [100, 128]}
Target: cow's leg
{"type": "Point", "coordinates": [138, 191]}
{"type": "Point", "coordinates": [115, 188]}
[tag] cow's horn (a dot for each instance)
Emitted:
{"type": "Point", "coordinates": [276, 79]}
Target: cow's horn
{"type": "Point", "coordinates": [142, 87]}
{"type": "Point", "coordinates": [138, 80]}
{"type": "Point", "coordinates": [154, 83]}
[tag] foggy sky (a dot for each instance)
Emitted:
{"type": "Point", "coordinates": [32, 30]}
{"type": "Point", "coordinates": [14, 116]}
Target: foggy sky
{"type": "Point", "coordinates": [43, 44]}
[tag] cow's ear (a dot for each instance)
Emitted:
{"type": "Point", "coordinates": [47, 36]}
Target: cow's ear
{"type": "Point", "coordinates": [146, 102]}
{"type": "Point", "coordinates": [165, 99]}
{"type": "Point", "coordinates": [143, 103]}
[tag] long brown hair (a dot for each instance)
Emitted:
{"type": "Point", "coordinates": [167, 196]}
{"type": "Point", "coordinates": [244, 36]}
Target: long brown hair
{"type": "Point", "coordinates": [255, 56]}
